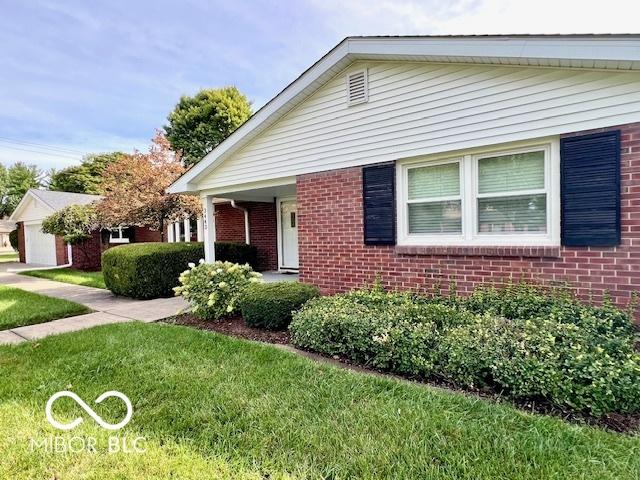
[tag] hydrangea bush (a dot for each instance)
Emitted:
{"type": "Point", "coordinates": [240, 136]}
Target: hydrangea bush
{"type": "Point", "coordinates": [213, 289]}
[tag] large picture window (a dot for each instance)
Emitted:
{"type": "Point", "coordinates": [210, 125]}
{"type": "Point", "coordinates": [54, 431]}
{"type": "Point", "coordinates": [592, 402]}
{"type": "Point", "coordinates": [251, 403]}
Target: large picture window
{"type": "Point", "coordinates": [495, 197]}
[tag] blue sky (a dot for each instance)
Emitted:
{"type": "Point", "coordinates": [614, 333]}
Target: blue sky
{"type": "Point", "coordinates": [80, 76]}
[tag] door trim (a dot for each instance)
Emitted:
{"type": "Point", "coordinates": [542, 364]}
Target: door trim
{"type": "Point", "coordinates": [279, 200]}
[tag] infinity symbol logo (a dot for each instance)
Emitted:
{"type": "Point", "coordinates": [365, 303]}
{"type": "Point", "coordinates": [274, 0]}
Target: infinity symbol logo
{"type": "Point", "coordinates": [89, 410]}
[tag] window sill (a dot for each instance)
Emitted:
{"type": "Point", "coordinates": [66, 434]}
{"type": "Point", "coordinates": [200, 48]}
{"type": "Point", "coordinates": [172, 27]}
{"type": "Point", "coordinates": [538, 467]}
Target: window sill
{"type": "Point", "coordinates": [480, 251]}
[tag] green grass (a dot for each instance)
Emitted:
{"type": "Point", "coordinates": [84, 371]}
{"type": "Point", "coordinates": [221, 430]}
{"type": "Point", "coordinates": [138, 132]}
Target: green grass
{"type": "Point", "coordinates": [19, 307]}
{"type": "Point", "coordinates": [9, 257]}
{"type": "Point", "coordinates": [216, 407]}
{"type": "Point", "coordinates": [69, 275]}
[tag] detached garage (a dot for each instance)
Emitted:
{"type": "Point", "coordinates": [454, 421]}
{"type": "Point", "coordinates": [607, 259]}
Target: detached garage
{"type": "Point", "coordinates": [34, 246]}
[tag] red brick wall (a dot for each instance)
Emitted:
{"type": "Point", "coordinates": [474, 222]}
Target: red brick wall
{"type": "Point", "coordinates": [334, 257]}
{"type": "Point", "coordinates": [144, 234]}
{"type": "Point", "coordinates": [21, 256]}
{"type": "Point", "coordinates": [61, 251]}
{"type": "Point", "coordinates": [87, 255]}
{"type": "Point", "coordinates": [262, 229]}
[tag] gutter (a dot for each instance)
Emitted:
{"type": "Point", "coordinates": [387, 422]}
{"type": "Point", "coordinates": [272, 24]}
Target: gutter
{"type": "Point", "coordinates": [246, 221]}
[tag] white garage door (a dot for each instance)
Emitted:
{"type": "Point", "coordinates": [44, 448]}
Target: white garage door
{"type": "Point", "coordinates": [39, 247]}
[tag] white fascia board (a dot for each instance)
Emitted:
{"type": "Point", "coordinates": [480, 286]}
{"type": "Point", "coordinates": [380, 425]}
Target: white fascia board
{"type": "Point", "coordinates": [588, 48]}
{"type": "Point", "coordinates": [577, 48]}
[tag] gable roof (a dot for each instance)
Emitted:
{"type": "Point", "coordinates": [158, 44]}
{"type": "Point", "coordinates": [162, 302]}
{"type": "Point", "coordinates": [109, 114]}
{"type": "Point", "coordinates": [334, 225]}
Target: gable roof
{"type": "Point", "coordinates": [609, 52]}
{"type": "Point", "coordinates": [53, 200]}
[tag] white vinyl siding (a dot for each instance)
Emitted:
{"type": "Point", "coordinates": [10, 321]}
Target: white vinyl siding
{"type": "Point", "coordinates": [506, 197]}
{"type": "Point", "coordinates": [417, 108]}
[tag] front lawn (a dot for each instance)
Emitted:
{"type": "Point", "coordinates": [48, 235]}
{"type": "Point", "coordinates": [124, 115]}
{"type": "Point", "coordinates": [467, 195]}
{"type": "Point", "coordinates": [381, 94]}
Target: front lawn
{"type": "Point", "coordinates": [215, 407]}
{"type": "Point", "coordinates": [9, 257]}
{"type": "Point", "coordinates": [19, 307]}
{"type": "Point", "coordinates": [69, 275]}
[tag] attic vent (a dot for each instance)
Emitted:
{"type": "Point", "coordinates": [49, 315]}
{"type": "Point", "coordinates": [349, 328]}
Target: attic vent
{"type": "Point", "coordinates": [357, 88]}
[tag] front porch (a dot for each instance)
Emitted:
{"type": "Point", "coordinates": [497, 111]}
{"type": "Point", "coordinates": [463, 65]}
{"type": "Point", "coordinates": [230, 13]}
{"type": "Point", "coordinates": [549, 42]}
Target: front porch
{"type": "Point", "coordinates": [259, 215]}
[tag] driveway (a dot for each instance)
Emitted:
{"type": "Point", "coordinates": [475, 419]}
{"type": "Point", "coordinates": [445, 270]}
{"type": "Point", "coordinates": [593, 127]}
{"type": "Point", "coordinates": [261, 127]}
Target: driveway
{"type": "Point", "coordinates": [107, 308]}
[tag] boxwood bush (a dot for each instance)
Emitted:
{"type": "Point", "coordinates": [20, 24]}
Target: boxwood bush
{"type": "Point", "coordinates": [148, 270]}
{"type": "Point", "coordinates": [270, 305]}
{"type": "Point", "coordinates": [561, 352]}
{"type": "Point", "coordinates": [13, 239]}
{"type": "Point", "coordinates": [151, 270]}
{"type": "Point", "coordinates": [235, 252]}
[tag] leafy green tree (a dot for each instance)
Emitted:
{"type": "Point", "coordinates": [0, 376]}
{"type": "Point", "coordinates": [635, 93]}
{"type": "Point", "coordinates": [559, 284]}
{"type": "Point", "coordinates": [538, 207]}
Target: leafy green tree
{"type": "Point", "coordinates": [17, 179]}
{"type": "Point", "coordinates": [86, 177]}
{"type": "Point", "coordinates": [74, 223]}
{"type": "Point", "coordinates": [199, 123]}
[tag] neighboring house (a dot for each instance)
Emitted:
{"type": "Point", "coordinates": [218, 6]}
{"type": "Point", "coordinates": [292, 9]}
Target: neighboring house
{"type": "Point", "coordinates": [429, 160]}
{"type": "Point", "coordinates": [40, 248]}
{"type": "Point", "coordinates": [6, 227]}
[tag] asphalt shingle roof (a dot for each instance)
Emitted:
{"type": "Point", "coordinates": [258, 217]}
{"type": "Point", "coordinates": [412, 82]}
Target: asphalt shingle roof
{"type": "Point", "coordinates": [59, 200]}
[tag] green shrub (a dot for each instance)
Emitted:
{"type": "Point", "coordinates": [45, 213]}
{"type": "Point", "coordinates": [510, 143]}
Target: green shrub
{"type": "Point", "coordinates": [388, 331]}
{"type": "Point", "coordinates": [239, 253]}
{"type": "Point", "coordinates": [270, 305]}
{"type": "Point", "coordinates": [13, 239]}
{"type": "Point", "coordinates": [525, 301]}
{"type": "Point", "coordinates": [574, 356]}
{"type": "Point", "coordinates": [147, 270]}
{"type": "Point", "coordinates": [568, 365]}
{"type": "Point", "coordinates": [213, 289]}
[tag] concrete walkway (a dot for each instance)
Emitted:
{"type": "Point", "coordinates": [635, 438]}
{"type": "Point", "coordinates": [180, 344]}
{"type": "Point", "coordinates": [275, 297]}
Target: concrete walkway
{"type": "Point", "coordinates": [107, 308]}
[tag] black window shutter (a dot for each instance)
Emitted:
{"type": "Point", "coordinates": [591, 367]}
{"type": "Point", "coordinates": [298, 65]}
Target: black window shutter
{"type": "Point", "coordinates": [590, 190]}
{"type": "Point", "coordinates": [379, 195]}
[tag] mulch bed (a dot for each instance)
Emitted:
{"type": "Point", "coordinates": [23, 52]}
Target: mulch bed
{"type": "Point", "coordinates": [232, 326]}
{"type": "Point", "coordinates": [235, 327]}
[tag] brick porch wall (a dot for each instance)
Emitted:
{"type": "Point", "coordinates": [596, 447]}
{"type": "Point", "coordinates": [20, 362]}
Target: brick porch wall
{"type": "Point", "coordinates": [334, 257]}
{"type": "Point", "coordinates": [262, 229]}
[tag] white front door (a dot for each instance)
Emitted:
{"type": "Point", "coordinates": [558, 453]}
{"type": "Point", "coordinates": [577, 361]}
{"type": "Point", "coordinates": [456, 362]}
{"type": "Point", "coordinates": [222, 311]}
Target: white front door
{"type": "Point", "coordinates": [288, 234]}
{"type": "Point", "coordinates": [40, 248]}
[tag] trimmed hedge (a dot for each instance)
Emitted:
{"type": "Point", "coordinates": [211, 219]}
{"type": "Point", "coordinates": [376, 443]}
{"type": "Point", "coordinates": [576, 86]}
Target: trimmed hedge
{"type": "Point", "coordinates": [270, 305]}
{"type": "Point", "coordinates": [148, 270]}
{"type": "Point", "coordinates": [521, 341]}
{"type": "Point", "coordinates": [13, 239]}
{"type": "Point", "coordinates": [239, 253]}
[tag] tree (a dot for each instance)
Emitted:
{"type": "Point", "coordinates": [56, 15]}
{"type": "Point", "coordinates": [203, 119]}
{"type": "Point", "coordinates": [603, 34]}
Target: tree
{"type": "Point", "coordinates": [75, 224]}
{"type": "Point", "coordinates": [14, 183]}
{"type": "Point", "coordinates": [86, 177]}
{"type": "Point", "coordinates": [134, 189]}
{"type": "Point", "coordinates": [199, 123]}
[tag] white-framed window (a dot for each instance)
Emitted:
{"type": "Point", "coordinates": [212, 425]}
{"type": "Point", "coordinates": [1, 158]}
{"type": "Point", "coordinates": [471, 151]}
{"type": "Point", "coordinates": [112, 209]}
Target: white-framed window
{"type": "Point", "coordinates": [118, 235]}
{"type": "Point", "coordinates": [506, 196]}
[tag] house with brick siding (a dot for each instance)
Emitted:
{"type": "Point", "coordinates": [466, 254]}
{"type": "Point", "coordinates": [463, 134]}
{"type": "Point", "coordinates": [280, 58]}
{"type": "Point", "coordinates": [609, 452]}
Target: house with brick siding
{"type": "Point", "coordinates": [438, 159]}
{"type": "Point", "coordinates": [43, 249]}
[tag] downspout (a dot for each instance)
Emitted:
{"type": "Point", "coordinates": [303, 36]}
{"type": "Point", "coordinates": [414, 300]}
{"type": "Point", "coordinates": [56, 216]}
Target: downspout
{"type": "Point", "coordinates": [246, 221]}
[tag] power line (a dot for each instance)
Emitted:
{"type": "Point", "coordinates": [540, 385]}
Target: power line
{"type": "Point", "coordinates": [43, 145]}
{"type": "Point", "coordinates": [51, 154]}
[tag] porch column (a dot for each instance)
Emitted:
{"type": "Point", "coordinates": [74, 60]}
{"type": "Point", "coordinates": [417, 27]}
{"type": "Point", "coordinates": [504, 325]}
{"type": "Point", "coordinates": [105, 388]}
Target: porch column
{"type": "Point", "coordinates": [170, 236]}
{"type": "Point", "coordinates": [187, 230]}
{"type": "Point", "coordinates": [200, 232]}
{"type": "Point", "coordinates": [209, 228]}
{"type": "Point", "coordinates": [176, 227]}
